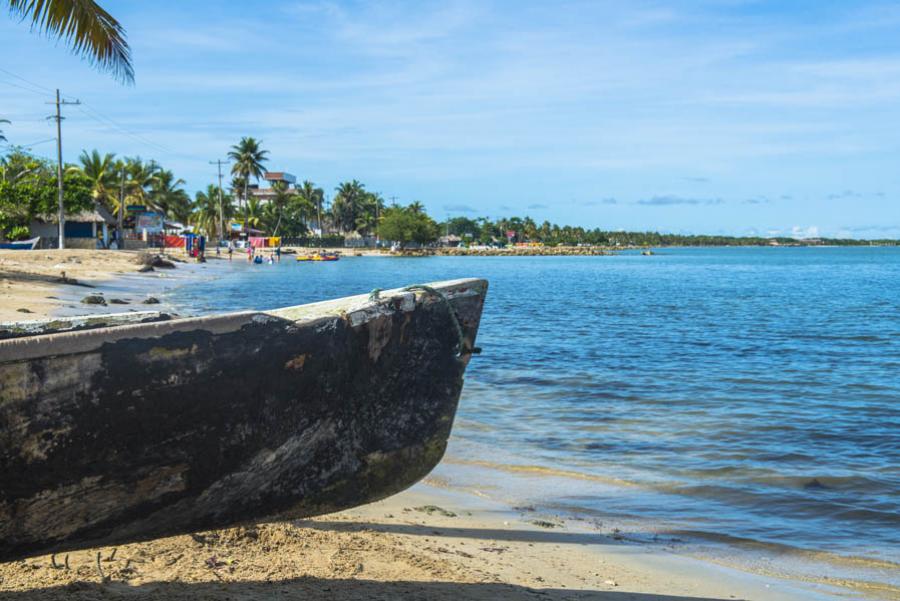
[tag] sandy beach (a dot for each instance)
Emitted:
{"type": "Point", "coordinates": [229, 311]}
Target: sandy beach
{"type": "Point", "coordinates": [429, 542]}
{"type": "Point", "coordinates": [38, 284]}
{"type": "Point", "coordinates": [425, 543]}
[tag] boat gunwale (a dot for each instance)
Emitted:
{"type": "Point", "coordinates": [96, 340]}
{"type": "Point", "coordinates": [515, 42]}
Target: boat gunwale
{"type": "Point", "coordinates": [358, 308]}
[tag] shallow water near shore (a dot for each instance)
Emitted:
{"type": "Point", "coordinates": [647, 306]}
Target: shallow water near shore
{"type": "Point", "coordinates": [745, 396]}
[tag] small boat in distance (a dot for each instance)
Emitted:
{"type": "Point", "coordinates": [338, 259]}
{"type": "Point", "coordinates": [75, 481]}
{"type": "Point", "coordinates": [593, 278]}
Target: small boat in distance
{"type": "Point", "coordinates": [124, 430]}
{"type": "Point", "coordinates": [20, 244]}
{"type": "Point", "coordinates": [319, 257]}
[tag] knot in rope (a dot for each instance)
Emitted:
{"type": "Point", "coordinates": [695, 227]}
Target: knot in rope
{"type": "Point", "coordinates": [461, 348]}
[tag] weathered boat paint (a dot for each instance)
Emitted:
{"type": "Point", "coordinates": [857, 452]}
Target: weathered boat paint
{"type": "Point", "coordinates": [131, 432]}
{"type": "Point", "coordinates": [35, 327]}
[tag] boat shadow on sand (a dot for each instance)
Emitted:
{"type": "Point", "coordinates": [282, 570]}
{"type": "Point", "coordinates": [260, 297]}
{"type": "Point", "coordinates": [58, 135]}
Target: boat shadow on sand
{"type": "Point", "coordinates": [325, 588]}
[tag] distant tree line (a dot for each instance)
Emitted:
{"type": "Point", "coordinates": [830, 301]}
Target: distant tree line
{"type": "Point", "coordinates": [524, 229]}
{"type": "Point", "coordinates": [28, 188]}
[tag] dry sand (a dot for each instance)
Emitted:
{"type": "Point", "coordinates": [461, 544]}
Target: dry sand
{"type": "Point", "coordinates": [33, 280]}
{"type": "Point", "coordinates": [425, 543]}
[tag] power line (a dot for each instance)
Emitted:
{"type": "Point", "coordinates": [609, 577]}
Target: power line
{"type": "Point", "coordinates": [29, 82]}
{"type": "Point", "coordinates": [29, 146]}
{"type": "Point", "coordinates": [21, 87]}
{"type": "Point", "coordinates": [100, 118]}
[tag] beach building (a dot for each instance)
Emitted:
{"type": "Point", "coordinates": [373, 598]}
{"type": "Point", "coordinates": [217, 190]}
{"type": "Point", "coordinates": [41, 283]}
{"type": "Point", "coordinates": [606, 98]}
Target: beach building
{"type": "Point", "coordinates": [82, 230]}
{"type": "Point", "coordinates": [273, 177]}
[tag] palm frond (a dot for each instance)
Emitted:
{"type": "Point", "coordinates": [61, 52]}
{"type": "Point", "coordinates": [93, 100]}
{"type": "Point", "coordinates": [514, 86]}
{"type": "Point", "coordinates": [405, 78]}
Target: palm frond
{"type": "Point", "coordinates": [89, 30]}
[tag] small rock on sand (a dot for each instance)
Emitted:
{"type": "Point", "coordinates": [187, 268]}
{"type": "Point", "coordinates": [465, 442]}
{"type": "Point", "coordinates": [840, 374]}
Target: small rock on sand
{"type": "Point", "coordinates": [432, 509]}
{"type": "Point", "coordinates": [94, 299]}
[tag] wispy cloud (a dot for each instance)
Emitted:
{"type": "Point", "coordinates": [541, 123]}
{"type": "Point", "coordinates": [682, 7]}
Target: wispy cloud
{"type": "Point", "coordinates": [664, 201]}
{"type": "Point", "coordinates": [715, 103]}
{"type": "Point", "coordinates": [460, 208]}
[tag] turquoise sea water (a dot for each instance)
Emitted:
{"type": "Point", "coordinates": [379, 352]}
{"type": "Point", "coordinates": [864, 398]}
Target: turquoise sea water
{"type": "Point", "coordinates": [749, 393]}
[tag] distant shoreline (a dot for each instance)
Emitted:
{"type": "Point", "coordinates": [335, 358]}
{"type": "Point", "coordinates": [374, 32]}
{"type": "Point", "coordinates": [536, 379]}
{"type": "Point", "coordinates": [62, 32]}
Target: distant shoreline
{"type": "Point", "coordinates": [557, 251]}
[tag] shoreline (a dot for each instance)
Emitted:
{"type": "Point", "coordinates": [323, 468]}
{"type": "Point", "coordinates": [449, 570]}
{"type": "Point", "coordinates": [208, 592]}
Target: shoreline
{"type": "Point", "coordinates": [565, 555]}
{"type": "Point", "coordinates": [426, 542]}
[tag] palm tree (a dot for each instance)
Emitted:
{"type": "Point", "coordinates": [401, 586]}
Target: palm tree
{"type": "Point", "coordinates": [367, 221]}
{"type": "Point", "coordinates": [206, 210]}
{"type": "Point", "coordinates": [416, 208]}
{"type": "Point", "coordinates": [279, 202]}
{"type": "Point", "coordinates": [248, 160]}
{"type": "Point", "coordinates": [167, 196]}
{"type": "Point", "coordinates": [88, 30]}
{"type": "Point", "coordinates": [348, 205]}
{"type": "Point", "coordinates": [253, 213]}
{"type": "Point", "coordinates": [101, 170]}
{"type": "Point", "coordinates": [311, 198]}
{"type": "Point", "coordinates": [2, 137]}
{"type": "Point", "coordinates": [140, 177]}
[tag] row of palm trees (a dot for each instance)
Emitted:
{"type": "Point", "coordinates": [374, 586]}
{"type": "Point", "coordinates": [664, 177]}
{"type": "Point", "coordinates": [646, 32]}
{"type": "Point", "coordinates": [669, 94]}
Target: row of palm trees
{"type": "Point", "coordinates": [119, 182]}
{"type": "Point", "coordinates": [116, 183]}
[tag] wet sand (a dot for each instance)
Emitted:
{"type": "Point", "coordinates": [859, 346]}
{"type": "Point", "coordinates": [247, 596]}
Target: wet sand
{"type": "Point", "coordinates": [425, 543]}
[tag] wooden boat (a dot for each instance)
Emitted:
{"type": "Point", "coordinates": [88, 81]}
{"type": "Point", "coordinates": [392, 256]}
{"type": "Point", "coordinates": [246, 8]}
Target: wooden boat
{"type": "Point", "coordinates": [124, 428]}
{"type": "Point", "coordinates": [20, 244]}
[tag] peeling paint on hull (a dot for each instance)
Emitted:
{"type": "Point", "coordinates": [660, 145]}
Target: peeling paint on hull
{"type": "Point", "coordinates": [132, 432]}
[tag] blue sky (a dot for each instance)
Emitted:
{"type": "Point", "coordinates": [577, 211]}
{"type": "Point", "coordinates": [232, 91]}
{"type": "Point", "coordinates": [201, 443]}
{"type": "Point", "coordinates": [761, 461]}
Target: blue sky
{"type": "Point", "coordinates": [725, 116]}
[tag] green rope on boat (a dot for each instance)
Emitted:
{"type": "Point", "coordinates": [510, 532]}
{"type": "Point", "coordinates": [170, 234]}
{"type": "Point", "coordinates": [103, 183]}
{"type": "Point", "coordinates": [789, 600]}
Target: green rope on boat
{"type": "Point", "coordinates": [461, 348]}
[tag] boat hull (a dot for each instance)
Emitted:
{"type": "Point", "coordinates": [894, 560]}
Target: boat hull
{"type": "Point", "coordinates": [20, 245]}
{"type": "Point", "coordinates": [138, 431]}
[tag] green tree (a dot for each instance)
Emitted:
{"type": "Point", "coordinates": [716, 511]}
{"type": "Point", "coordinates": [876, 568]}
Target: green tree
{"type": "Point", "coordinates": [140, 177]}
{"type": "Point", "coordinates": [253, 213]}
{"type": "Point", "coordinates": [28, 189]}
{"type": "Point", "coordinates": [248, 158]}
{"type": "Point", "coordinates": [407, 224]}
{"type": "Point", "coordinates": [370, 210]}
{"type": "Point", "coordinates": [168, 197]}
{"type": "Point", "coordinates": [86, 28]}
{"type": "Point", "coordinates": [2, 137]}
{"type": "Point", "coordinates": [102, 171]}
{"type": "Point", "coordinates": [205, 210]}
{"type": "Point", "coordinates": [312, 200]}
{"type": "Point", "coordinates": [348, 205]}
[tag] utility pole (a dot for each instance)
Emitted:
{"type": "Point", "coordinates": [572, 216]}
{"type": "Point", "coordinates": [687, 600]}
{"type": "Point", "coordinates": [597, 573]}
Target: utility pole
{"type": "Point", "coordinates": [59, 166]}
{"type": "Point", "coordinates": [121, 233]}
{"type": "Point", "coordinates": [377, 197]}
{"type": "Point", "coordinates": [218, 163]}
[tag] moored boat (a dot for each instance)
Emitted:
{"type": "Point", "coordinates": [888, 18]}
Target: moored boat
{"type": "Point", "coordinates": [20, 244]}
{"type": "Point", "coordinates": [319, 257]}
{"type": "Point", "coordinates": [127, 432]}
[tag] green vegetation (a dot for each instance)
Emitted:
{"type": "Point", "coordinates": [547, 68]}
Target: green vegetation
{"type": "Point", "coordinates": [28, 188]}
{"type": "Point", "coordinates": [248, 160]}
{"type": "Point", "coordinates": [408, 224]}
{"type": "Point", "coordinates": [486, 231]}
{"type": "Point", "coordinates": [88, 30]}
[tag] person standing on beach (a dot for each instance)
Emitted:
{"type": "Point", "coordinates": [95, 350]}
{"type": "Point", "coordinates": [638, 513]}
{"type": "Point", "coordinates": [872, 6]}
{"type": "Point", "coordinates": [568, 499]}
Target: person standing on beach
{"type": "Point", "coordinates": [278, 253]}
{"type": "Point", "coordinates": [230, 249]}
